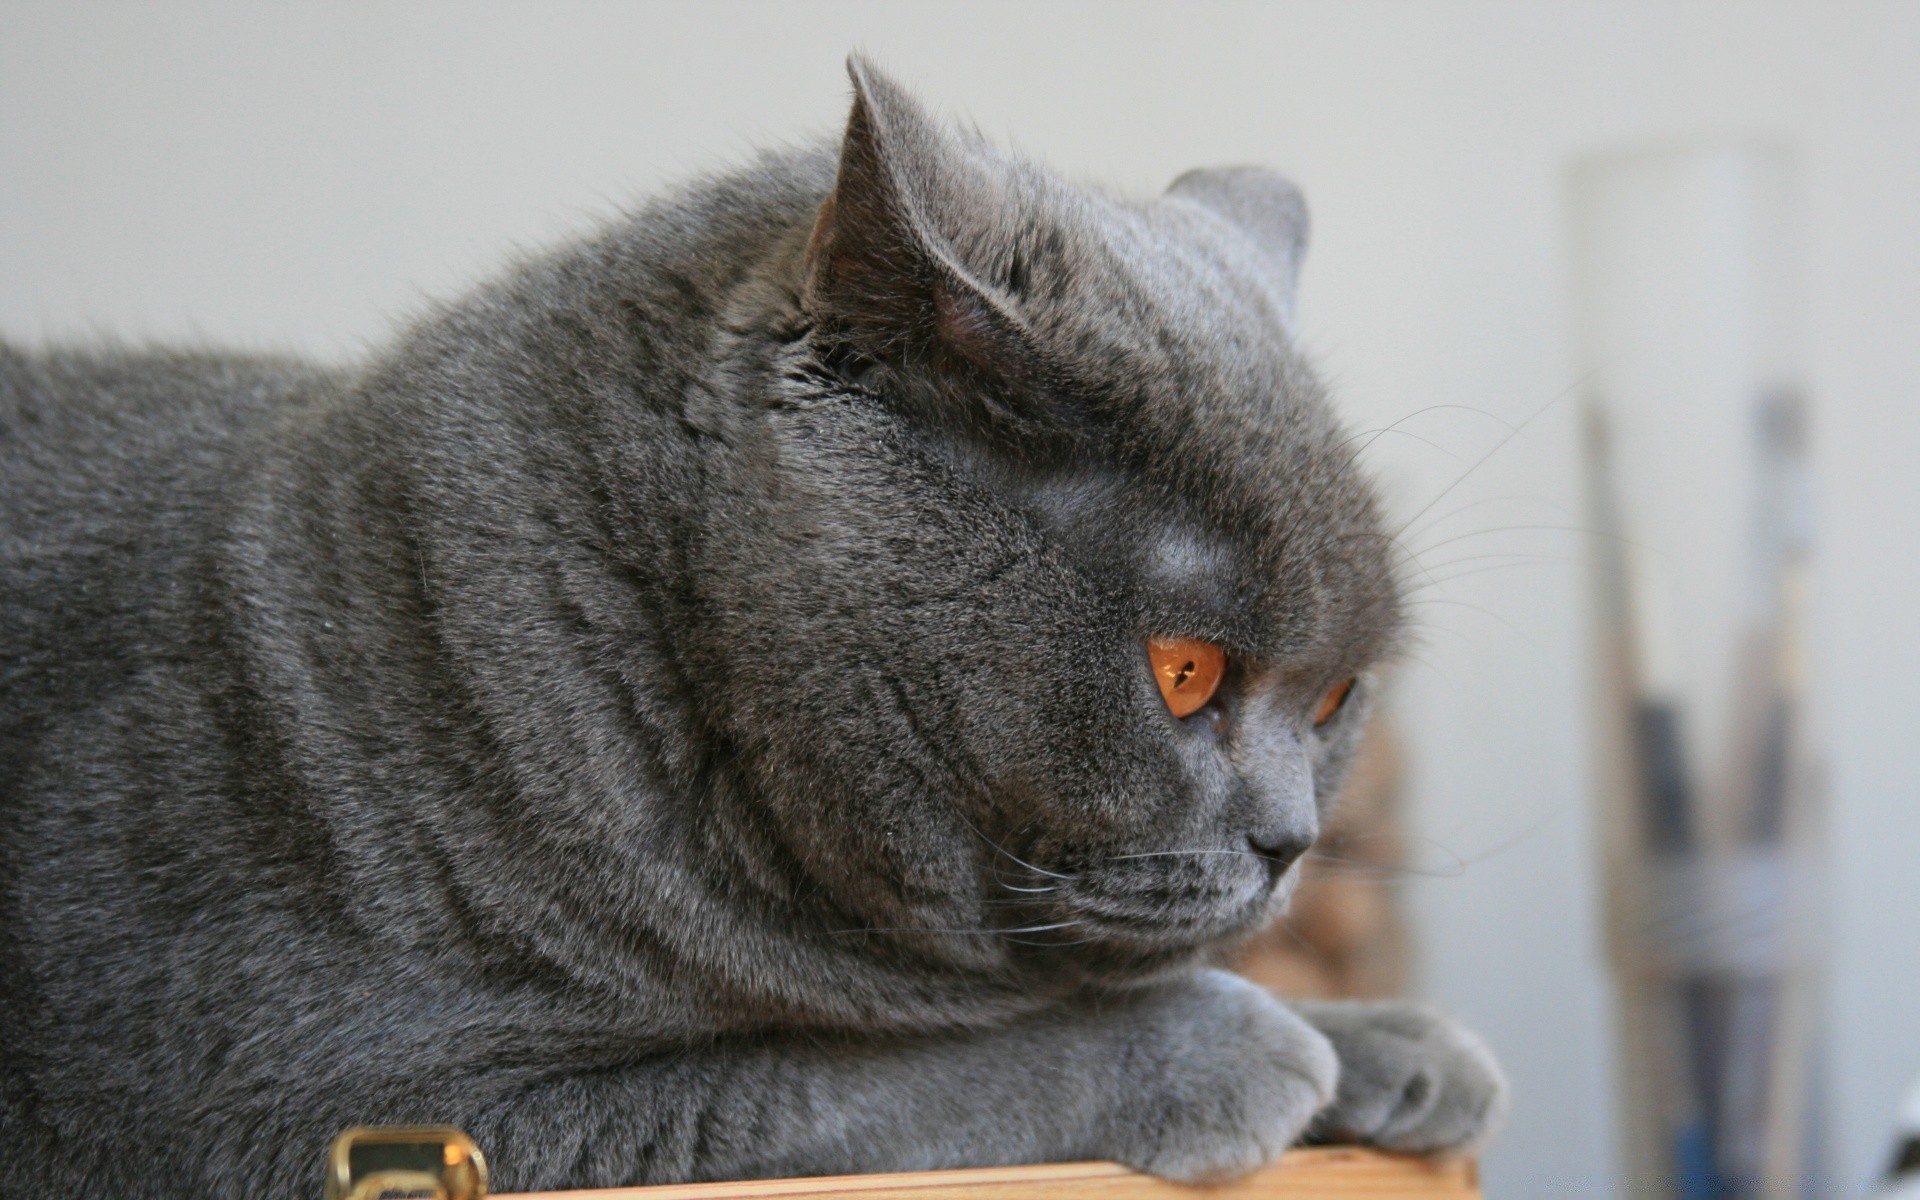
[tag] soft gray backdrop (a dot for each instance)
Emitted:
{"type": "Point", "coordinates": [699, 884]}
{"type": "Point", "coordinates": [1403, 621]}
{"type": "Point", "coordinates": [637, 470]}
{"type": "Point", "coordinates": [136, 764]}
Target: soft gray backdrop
{"type": "Point", "coordinates": [298, 176]}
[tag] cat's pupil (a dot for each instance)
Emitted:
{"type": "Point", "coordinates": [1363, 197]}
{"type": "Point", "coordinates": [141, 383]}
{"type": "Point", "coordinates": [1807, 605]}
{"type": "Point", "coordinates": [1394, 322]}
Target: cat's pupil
{"type": "Point", "coordinates": [1185, 673]}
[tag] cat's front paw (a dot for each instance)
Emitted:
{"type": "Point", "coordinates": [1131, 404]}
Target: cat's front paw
{"type": "Point", "coordinates": [1410, 1079]}
{"type": "Point", "coordinates": [1223, 1076]}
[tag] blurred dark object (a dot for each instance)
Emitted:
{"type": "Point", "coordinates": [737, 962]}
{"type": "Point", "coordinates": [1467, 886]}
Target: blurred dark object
{"type": "Point", "coordinates": [1343, 936]}
{"type": "Point", "coordinates": [1709, 796]}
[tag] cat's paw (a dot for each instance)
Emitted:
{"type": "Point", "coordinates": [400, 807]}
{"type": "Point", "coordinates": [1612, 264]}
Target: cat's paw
{"type": "Point", "coordinates": [1223, 1076]}
{"type": "Point", "coordinates": [1410, 1079]}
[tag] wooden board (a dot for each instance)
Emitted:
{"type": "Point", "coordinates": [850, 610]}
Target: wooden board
{"type": "Point", "coordinates": [1335, 1173]}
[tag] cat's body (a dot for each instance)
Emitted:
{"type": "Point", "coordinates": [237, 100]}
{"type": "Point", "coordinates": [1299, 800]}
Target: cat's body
{"type": "Point", "coordinates": [681, 712]}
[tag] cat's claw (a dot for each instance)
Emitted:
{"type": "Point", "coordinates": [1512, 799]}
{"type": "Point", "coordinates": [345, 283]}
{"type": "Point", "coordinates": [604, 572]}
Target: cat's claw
{"type": "Point", "coordinates": [1410, 1079]}
{"type": "Point", "coordinates": [1233, 1078]}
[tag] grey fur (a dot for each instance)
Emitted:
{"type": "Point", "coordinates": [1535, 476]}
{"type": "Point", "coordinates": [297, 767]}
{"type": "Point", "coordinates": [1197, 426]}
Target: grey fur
{"type": "Point", "coordinates": [1268, 211]}
{"type": "Point", "coordinates": [680, 711]}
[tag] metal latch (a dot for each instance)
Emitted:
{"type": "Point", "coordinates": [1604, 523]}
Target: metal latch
{"type": "Point", "coordinates": [372, 1161]}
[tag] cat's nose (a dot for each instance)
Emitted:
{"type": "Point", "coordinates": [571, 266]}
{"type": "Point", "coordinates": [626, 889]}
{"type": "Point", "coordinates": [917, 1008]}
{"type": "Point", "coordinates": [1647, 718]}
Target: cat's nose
{"type": "Point", "coordinates": [1280, 847]}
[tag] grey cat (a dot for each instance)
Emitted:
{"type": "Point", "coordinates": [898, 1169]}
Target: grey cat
{"type": "Point", "coordinates": [682, 712]}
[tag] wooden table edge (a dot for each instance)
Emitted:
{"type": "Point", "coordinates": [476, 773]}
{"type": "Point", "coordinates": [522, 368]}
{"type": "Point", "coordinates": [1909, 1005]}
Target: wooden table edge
{"type": "Point", "coordinates": [1330, 1171]}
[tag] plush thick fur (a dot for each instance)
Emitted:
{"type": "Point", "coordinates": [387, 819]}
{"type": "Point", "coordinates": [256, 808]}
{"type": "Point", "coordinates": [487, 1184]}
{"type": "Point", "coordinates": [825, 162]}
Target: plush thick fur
{"type": "Point", "coordinates": [681, 711]}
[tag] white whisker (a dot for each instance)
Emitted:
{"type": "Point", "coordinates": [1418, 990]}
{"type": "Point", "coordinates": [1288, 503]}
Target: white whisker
{"type": "Point", "coordinates": [1511, 433]}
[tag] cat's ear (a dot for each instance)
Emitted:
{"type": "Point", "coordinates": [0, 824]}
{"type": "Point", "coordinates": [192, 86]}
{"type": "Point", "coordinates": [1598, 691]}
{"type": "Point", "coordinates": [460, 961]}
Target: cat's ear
{"type": "Point", "coordinates": [881, 271]}
{"type": "Point", "coordinates": [1264, 207]}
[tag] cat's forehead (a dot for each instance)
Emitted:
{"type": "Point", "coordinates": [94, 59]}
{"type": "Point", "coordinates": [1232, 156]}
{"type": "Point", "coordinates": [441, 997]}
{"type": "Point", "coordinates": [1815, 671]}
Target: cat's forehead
{"type": "Point", "coordinates": [1167, 288]}
{"type": "Point", "coordinates": [1226, 484]}
{"type": "Point", "coordinates": [1277, 554]}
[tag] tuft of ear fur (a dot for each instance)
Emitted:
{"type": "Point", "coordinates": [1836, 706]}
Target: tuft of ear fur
{"type": "Point", "coordinates": [1264, 207]}
{"type": "Point", "coordinates": [878, 273]}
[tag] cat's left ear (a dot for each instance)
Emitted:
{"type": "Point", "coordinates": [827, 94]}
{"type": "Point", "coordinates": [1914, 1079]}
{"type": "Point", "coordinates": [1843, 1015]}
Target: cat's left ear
{"type": "Point", "coordinates": [886, 266]}
{"type": "Point", "coordinates": [1267, 210]}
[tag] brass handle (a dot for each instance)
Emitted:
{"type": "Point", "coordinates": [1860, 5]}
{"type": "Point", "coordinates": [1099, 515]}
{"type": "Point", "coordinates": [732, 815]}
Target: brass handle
{"type": "Point", "coordinates": [374, 1160]}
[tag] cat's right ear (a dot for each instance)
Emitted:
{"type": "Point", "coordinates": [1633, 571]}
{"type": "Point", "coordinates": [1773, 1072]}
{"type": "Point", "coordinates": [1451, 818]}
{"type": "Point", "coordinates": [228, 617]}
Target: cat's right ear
{"type": "Point", "coordinates": [1268, 210]}
{"type": "Point", "coordinates": [880, 274]}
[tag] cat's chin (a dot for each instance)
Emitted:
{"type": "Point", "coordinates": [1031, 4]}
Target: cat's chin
{"type": "Point", "coordinates": [1117, 930]}
{"type": "Point", "coordinates": [1133, 953]}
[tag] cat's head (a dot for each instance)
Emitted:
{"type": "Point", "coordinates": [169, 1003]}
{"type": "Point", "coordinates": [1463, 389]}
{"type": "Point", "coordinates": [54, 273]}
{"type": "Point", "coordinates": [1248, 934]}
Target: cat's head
{"type": "Point", "coordinates": [1015, 429]}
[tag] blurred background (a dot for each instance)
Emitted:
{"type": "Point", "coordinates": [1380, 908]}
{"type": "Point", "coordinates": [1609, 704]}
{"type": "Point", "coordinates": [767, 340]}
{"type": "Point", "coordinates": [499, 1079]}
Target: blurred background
{"type": "Point", "coordinates": [298, 177]}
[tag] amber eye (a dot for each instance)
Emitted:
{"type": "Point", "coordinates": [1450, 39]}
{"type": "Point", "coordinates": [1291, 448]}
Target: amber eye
{"type": "Point", "coordinates": [1331, 702]}
{"type": "Point", "coordinates": [1188, 671]}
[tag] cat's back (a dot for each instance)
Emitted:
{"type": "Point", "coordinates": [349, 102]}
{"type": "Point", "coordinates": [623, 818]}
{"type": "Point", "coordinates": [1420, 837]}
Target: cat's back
{"type": "Point", "coordinates": [112, 467]}
{"type": "Point", "coordinates": [123, 425]}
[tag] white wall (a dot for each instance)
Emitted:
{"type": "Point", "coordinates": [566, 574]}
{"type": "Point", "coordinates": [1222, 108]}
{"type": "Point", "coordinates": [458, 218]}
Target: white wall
{"type": "Point", "coordinates": [297, 176]}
